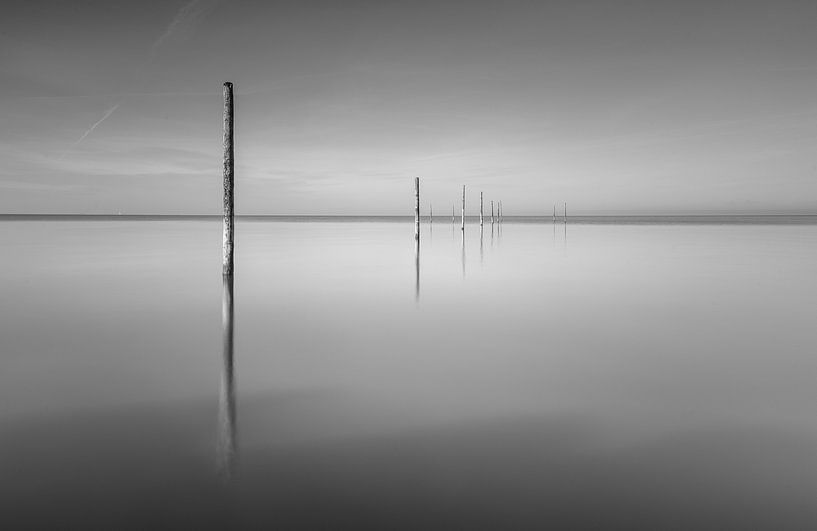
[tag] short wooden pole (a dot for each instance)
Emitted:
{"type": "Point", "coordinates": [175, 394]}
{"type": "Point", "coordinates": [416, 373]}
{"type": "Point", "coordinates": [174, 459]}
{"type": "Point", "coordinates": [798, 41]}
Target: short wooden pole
{"type": "Point", "coordinates": [227, 262]}
{"type": "Point", "coordinates": [463, 207]}
{"type": "Point", "coordinates": [481, 216]}
{"type": "Point", "coordinates": [416, 208]}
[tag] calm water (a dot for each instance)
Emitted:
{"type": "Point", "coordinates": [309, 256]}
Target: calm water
{"type": "Point", "coordinates": [646, 376]}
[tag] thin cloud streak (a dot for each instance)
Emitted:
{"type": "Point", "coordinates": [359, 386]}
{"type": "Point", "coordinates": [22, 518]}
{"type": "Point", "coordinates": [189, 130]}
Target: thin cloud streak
{"type": "Point", "coordinates": [186, 16]}
{"type": "Point", "coordinates": [91, 129]}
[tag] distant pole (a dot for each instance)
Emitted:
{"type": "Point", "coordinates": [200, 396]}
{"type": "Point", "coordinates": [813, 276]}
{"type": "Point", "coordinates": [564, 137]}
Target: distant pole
{"type": "Point", "coordinates": [452, 215]}
{"type": "Point", "coordinates": [499, 211]}
{"type": "Point", "coordinates": [463, 207]}
{"type": "Point", "coordinates": [492, 212]}
{"type": "Point", "coordinates": [227, 262]}
{"type": "Point", "coordinates": [480, 210]}
{"type": "Point", "coordinates": [554, 212]}
{"type": "Point", "coordinates": [430, 213]}
{"type": "Point", "coordinates": [416, 208]}
{"type": "Point", "coordinates": [565, 213]}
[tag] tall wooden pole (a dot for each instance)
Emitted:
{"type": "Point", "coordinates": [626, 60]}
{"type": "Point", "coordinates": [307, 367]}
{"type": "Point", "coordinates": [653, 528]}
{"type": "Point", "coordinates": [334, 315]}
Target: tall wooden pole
{"type": "Point", "coordinates": [481, 216]}
{"type": "Point", "coordinates": [463, 207]}
{"type": "Point", "coordinates": [492, 212]}
{"type": "Point", "coordinates": [565, 212]}
{"type": "Point", "coordinates": [227, 262]}
{"type": "Point", "coordinates": [417, 208]}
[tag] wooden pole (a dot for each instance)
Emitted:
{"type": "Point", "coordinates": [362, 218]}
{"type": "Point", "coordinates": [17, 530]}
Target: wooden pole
{"type": "Point", "coordinates": [463, 207]}
{"type": "Point", "coordinates": [499, 211]}
{"type": "Point", "coordinates": [565, 212]}
{"type": "Point", "coordinates": [227, 262]}
{"type": "Point", "coordinates": [452, 215]}
{"type": "Point", "coordinates": [430, 214]}
{"type": "Point", "coordinates": [554, 212]}
{"type": "Point", "coordinates": [492, 212]}
{"type": "Point", "coordinates": [480, 210]}
{"type": "Point", "coordinates": [416, 208]}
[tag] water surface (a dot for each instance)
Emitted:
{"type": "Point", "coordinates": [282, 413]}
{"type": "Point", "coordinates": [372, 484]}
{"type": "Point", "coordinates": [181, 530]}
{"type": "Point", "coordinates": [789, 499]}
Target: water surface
{"type": "Point", "coordinates": [529, 375]}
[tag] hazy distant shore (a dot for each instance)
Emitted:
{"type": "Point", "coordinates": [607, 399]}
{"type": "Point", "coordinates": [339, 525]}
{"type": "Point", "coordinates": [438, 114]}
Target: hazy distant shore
{"type": "Point", "coordinates": [612, 220]}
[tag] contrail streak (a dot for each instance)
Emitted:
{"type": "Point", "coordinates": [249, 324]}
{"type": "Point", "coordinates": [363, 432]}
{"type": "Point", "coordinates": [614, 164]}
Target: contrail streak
{"type": "Point", "coordinates": [187, 15]}
{"type": "Point", "coordinates": [96, 124]}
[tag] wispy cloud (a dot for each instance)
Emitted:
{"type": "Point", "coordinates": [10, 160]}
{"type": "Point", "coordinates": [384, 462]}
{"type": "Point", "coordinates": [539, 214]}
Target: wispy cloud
{"type": "Point", "coordinates": [186, 17]}
{"type": "Point", "coordinates": [90, 130]}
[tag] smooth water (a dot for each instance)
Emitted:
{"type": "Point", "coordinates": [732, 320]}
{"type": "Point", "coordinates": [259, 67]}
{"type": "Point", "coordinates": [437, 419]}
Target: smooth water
{"type": "Point", "coordinates": [532, 375]}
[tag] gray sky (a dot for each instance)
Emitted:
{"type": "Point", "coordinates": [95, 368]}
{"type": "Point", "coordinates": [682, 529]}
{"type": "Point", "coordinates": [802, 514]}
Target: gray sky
{"type": "Point", "coordinates": [612, 106]}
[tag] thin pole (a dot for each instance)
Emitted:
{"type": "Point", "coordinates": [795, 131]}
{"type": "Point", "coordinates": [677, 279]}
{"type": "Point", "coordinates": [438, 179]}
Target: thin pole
{"type": "Point", "coordinates": [480, 210]}
{"type": "Point", "coordinates": [430, 213]}
{"type": "Point", "coordinates": [227, 262]}
{"type": "Point", "coordinates": [554, 212]}
{"type": "Point", "coordinates": [417, 208]}
{"type": "Point", "coordinates": [452, 214]}
{"type": "Point", "coordinates": [565, 212]}
{"type": "Point", "coordinates": [499, 211]}
{"type": "Point", "coordinates": [492, 212]}
{"type": "Point", "coordinates": [463, 207]}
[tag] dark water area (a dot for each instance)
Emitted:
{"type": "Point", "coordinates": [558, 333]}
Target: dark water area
{"type": "Point", "coordinates": [523, 376]}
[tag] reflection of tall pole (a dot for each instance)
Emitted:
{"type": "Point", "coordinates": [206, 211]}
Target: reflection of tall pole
{"type": "Point", "coordinates": [227, 403]}
{"type": "Point", "coordinates": [463, 207]}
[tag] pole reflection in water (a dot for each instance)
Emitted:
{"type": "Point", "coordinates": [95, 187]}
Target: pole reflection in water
{"type": "Point", "coordinates": [565, 235]}
{"type": "Point", "coordinates": [463, 253]}
{"type": "Point", "coordinates": [481, 254]}
{"type": "Point", "coordinates": [227, 405]}
{"type": "Point", "coordinates": [417, 269]}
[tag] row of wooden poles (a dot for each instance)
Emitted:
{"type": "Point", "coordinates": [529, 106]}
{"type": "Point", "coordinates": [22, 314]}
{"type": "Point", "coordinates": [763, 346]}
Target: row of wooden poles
{"type": "Point", "coordinates": [498, 217]}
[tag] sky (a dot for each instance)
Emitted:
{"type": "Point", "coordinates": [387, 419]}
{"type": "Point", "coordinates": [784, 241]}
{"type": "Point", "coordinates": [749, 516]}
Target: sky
{"type": "Point", "coordinates": [615, 107]}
